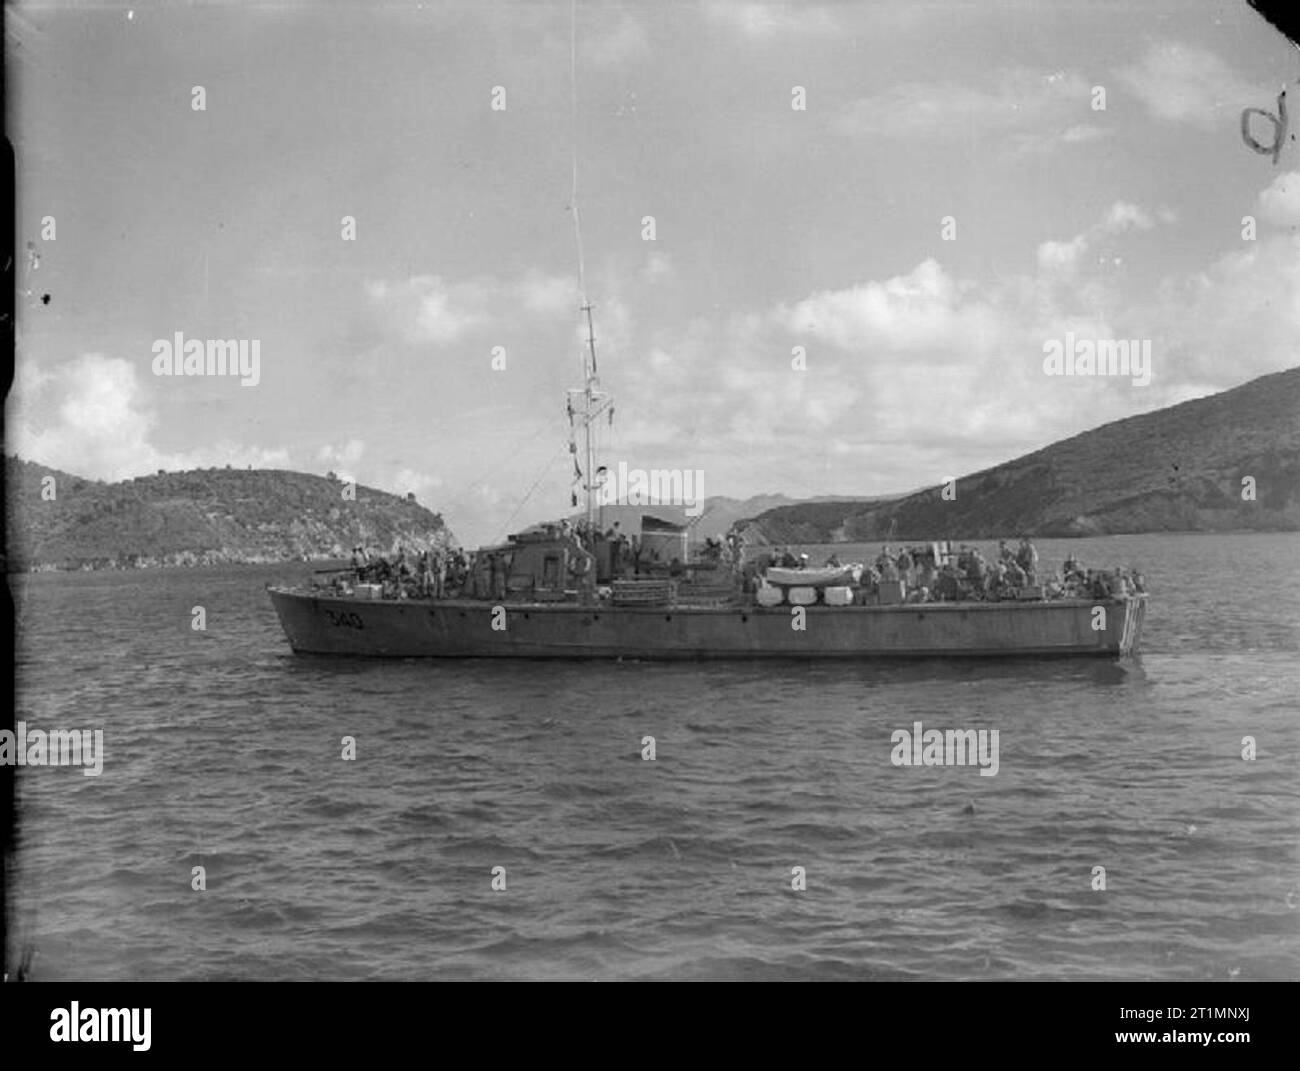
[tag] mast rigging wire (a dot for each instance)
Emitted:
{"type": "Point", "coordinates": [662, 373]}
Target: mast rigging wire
{"type": "Point", "coordinates": [573, 143]}
{"type": "Point", "coordinates": [522, 502]}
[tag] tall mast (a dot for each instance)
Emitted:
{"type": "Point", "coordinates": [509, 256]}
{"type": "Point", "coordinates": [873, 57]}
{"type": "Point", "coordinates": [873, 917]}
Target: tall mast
{"type": "Point", "coordinates": [590, 383]}
{"type": "Point", "coordinates": [594, 402]}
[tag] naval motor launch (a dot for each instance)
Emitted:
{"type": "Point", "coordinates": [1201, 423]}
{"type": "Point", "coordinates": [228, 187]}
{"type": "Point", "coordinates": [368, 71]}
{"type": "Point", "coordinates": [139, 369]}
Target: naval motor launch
{"type": "Point", "coordinates": [560, 591]}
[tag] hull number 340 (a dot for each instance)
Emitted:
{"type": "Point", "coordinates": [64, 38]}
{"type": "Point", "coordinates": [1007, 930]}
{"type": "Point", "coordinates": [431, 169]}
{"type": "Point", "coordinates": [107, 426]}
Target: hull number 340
{"type": "Point", "coordinates": [344, 619]}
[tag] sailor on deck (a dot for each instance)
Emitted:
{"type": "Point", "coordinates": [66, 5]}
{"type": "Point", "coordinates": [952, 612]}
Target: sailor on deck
{"type": "Point", "coordinates": [1027, 557]}
{"type": "Point", "coordinates": [1016, 576]}
{"type": "Point", "coordinates": [887, 566]}
{"type": "Point", "coordinates": [1074, 573]}
{"type": "Point", "coordinates": [905, 567]}
{"type": "Point", "coordinates": [582, 563]}
{"type": "Point", "coordinates": [499, 571]}
{"type": "Point", "coordinates": [426, 574]}
{"type": "Point", "coordinates": [439, 574]}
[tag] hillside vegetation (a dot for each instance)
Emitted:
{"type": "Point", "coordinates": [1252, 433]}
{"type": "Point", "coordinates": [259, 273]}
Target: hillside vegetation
{"type": "Point", "coordinates": [202, 517]}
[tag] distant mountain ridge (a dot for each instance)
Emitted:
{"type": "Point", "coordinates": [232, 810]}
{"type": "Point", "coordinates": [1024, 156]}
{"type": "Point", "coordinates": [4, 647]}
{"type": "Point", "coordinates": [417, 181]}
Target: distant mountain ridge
{"type": "Point", "coordinates": [714, 517]}
{"type": "Point", "coordinates": [717, 516]}
{"type": "Point", "coordinates": [201, 517]}
{"type": "Point", "coordinates": [1178, 469]}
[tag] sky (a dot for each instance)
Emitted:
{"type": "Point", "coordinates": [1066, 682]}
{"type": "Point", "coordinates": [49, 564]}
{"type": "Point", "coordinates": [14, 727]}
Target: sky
{"type": "Point", "coordinates": [920, 195]}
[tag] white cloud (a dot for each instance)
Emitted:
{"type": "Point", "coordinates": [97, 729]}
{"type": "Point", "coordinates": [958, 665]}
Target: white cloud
{"type": "Point", "coordinates": [1280, 202]}
{"type": "Point", "coordinates": [1081, 132]}
{"type": "Point", "coordinates": [348, 455]}
{"type": "Point", "coordinates": [1237, 318]}
{"type": "Point", "coordinates": [236, 455]}
{"type": "Point", "coordinates": [922, 313]}
{"type": "Point", "coordinates": [422, 484]}
{"type": "Point", "coordinates": [98, 428]}
{"type": "Point", "coordinates": [444, 316]}
{"type": "Point", "coordinates": [425, 310]}
{"type": "Point", "coordinates": [1063, 258]}
{"type": "Point", "coordinates": [549, 295]}
{"type": "Point", "coordinates": [658, 267]}
{"type": "Point", "coordinates": [1050, 136]}
{"type": "Point", "coordinates": [767, 21]}
{"type": "Point", "coordinates": [29, 379]}
{"type": "Point", "coordinates": [1124, 216]}
{"type": "Point", "coordinates": [1018, 99]}
{"type": "Point", "coordinates": [101, 427]}
{"type": "Point", "coordinates": [428, 310]}
{"type": "Point", "coordinates": [1182, 83]}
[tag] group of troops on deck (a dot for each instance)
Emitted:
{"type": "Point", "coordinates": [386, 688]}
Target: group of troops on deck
{"type": "Point", "coordinates": [964, 574]}
{"type": "Point", "coordinates": [483, 574]}
{"type": "Point", "coordinates": [1016, 572]}
{"type": "Point", "coordinates": [434, 574]}
{"type": "Point", "coordinates": [926, 573]}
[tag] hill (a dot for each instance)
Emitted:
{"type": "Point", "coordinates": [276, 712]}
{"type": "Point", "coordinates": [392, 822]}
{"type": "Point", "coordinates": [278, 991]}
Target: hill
{"type": "Point", "coordinates": [202, 517]}
{"type": "Point", "coordinates": [1179, 469]}
{"type": "Point", "coordinates": [718, 516]}
{"type": "Point", "coordinates": [722, 513]}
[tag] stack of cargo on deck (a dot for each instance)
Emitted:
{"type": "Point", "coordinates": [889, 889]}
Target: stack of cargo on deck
{"type": "Point", "coordinates": [644, 592]}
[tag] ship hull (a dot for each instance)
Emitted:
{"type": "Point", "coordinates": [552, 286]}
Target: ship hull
{"type": "Point", "coordinates": [461, 628]}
